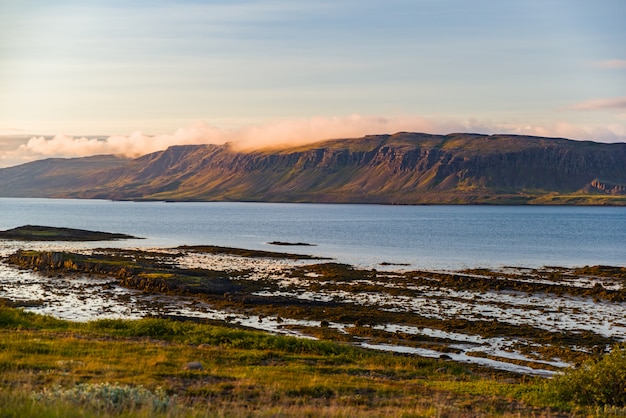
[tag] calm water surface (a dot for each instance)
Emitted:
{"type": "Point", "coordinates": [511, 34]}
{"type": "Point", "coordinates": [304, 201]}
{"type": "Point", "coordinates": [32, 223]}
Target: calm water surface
{"type": "Point", "coordinates": [433, 237]}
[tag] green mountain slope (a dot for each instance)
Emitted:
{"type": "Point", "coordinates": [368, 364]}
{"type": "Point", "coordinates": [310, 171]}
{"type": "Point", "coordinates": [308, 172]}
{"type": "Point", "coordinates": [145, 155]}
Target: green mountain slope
{"type": "Point", "coordinates": [405, 168]}
{"type": "Point", "coordinates": [54, 177]}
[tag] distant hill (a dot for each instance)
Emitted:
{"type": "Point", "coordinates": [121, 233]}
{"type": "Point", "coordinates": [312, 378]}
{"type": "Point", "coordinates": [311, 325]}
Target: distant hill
{"type": "Point", "coordinates": [405, 168]}
{"type": "Point", "coordinates": [54, 177]}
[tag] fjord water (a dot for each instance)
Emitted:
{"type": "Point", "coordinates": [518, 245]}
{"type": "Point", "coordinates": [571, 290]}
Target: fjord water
{"type": "Point", "coordinates": [425, 237]}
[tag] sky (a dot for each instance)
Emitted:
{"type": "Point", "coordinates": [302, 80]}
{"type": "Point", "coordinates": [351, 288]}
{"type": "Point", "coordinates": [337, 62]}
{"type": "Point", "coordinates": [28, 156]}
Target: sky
{"type": "Point", "coordinates": [81, 77]}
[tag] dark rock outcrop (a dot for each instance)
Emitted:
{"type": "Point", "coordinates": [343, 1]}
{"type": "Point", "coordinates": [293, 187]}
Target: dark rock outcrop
{"type": "Point", "coordinates": [149, 277]}
{"type": "Point", "coordinates": [614, 189]}
{"type": "Point", "coordinates": [49, 233]}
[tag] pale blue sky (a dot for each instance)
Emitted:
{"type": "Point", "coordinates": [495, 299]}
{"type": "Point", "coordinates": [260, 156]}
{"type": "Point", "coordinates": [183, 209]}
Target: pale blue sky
{"type": "Point", "coordinates": [113, 67]}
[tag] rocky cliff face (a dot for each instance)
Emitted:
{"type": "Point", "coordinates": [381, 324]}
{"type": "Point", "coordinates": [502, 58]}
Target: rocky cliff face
{"type": "Point", "coordinates": [403, 168]}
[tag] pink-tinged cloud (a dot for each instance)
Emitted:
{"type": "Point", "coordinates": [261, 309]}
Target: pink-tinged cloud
{"type": "Point", "coordinates": [278, 134]}
{"type": "Point", "coordinates": [289, 133]}
{"type": "Point", "coordinates": [613, 64]}
{"type": "Point", "coordinates": [613, 133]}
{"type": "Point", "coordinates": [601, 104]}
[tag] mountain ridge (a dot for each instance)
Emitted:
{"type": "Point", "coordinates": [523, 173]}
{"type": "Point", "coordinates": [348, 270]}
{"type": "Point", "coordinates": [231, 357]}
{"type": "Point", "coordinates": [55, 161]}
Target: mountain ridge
{"type": "Point", "coordinates": [402, 168]}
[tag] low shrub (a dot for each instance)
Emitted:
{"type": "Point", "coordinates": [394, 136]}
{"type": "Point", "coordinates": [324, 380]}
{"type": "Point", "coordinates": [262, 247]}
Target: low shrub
{"type": "Point", "coordinates": [15, 318]}
{"type": "Point", "coordinates": [599, 383]}
{"type": "Point", "coordinates": [107, 397]}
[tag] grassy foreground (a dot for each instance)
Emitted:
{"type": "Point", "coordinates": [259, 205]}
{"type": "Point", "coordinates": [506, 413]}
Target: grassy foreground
{"type": "Point", "coordinates": [149, 367]}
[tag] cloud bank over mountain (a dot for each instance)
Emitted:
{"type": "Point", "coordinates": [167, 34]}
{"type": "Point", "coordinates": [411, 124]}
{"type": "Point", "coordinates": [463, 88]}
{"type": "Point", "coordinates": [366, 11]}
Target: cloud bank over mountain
{"type": "Point", "coordinates": [405, 168]}
{"type": "Point", "coordinates": [287, 133]}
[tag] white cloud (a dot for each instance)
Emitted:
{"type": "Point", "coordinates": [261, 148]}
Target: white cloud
{"type": "Point", "coordinates": [287, 133]}
{"type": "Point", "coordinates": [613, 133]}
{"type": "Point", "coordinates": [278, 134]}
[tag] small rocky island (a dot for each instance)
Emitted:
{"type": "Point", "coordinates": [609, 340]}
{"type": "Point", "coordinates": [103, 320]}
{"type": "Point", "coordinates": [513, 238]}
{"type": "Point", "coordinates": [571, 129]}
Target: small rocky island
{"type": "Point", "coordinates": [50, 233]}
{"type": "Point", "coordinates": [293, 244]}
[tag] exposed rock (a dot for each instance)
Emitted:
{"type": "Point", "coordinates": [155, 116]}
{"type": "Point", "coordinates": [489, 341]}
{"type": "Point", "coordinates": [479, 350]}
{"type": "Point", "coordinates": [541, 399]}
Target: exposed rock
{"type": "Point", "coordinates": [301, 244]}
{"type": "Point", "coordinates": [609, 188]}
{"type": "Point", "coordinates": [194, 365]}
{"type": "Point", "coordinates": [49, 261]}
{"type": "Point", "coordinates": [49, 233]}
{"type": "Point", "coordinates": [142, 276]}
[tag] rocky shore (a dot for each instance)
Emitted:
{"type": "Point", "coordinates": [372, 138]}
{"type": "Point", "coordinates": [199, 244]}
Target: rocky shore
{"type": "Point", "coordinates": [525, 320]}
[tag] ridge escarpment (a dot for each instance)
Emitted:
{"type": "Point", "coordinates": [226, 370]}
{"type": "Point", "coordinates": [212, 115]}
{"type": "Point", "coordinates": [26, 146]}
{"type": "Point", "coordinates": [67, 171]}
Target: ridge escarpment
{"type": "Point", "coordinates": [405, 168]}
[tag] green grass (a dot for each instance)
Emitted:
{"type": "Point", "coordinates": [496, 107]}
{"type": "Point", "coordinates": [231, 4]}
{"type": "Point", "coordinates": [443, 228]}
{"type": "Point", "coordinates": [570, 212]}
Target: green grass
{"type": "Point", "coordinates": [54, 368]}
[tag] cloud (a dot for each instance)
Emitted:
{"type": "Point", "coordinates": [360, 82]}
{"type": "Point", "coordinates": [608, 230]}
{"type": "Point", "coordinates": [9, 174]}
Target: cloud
{"type": "Point", "coordinates": [295, 132]}
{"type": "Point", "coordinates": [612, 64]}
{"type": "Point", "coordinates": [292, 132]}
{"type": "Point", "coordinates": [132, 145]}
{"type": "Point", "coordinates": [613, 133]}
{"type": "Point", "coordinates": [277, 134]}
{"type": "Point", "coordinates": [601, 104]}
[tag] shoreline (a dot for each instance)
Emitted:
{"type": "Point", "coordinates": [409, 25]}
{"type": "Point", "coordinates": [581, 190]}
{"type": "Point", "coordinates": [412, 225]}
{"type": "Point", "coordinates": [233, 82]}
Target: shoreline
{"type": "Point", "coordinates": [529, 320]}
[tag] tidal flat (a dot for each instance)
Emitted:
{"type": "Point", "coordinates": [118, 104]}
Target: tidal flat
{"type": "Point", "coordinates": [524, 321]}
